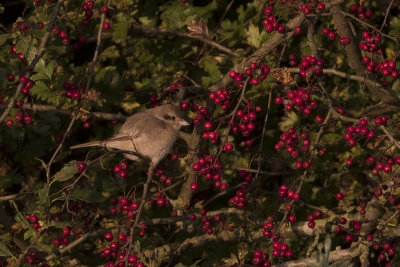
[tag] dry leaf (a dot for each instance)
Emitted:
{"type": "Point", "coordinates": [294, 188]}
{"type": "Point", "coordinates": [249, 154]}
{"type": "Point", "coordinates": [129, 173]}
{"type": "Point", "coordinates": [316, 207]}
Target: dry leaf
{"type": "Point", "coordinates": [282, 75]}
{"type": "Point", "coordinates": [198, 29]}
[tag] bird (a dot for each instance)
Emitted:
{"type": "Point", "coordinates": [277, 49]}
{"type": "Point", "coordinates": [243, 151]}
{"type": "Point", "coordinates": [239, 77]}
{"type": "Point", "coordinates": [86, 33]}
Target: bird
{"type": "Point", "coordinates": [150, 134]}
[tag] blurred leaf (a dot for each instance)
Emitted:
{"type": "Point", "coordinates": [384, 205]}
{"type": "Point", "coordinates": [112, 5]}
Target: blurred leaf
{"type": "Point", "coordinates": [120, 27]}
{"type": "Point", "coordinates": [44, 247]}
{"type": "Point", "coordinates": [4, 250]}
{"type": "Point", "coordinates": [67, 172]}
{"type": "Point", "coordinates": [87, 195]}
{"type": "Point", "coordinates": [44, 200]}
{"type": "Point", "coordinates": [289, 121]}
{"type": "Point", "coordinates": [3, 38]}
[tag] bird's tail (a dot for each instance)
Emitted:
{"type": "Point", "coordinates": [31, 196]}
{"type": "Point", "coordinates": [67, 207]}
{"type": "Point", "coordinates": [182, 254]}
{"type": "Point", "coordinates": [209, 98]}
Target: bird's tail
{"type": "Point", "coordinates": [94, 143]}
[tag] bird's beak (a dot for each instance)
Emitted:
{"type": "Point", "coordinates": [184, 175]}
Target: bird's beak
{"type": "Point", "coordinates": [183, 123]}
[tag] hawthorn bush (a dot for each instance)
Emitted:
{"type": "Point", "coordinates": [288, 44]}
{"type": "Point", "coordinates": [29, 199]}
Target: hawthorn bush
{"type": "Point", "coordinates": [292, 158]}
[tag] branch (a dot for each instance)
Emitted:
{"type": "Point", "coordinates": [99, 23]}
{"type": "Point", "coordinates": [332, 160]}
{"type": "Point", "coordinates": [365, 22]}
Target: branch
{"type": "Point", "coordinates": [337, 255]}
{"type": "Point", "coordinates": [77, 242]}
{"type": "Point", "coordinates": [46, 108]}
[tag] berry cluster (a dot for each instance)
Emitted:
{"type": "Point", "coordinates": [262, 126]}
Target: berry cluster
{"type": "Point", "coordinates": [331, 34]}
{"type": "Point", "coordinates": [220, 97]}
{"type": "Point", "coordinates": [20, 54]}
{"type": "Point", "coordinates": [210, 169]}
{"type": "Point", "coordinates": [270, 22]}
{"type": "Point", "coordinates": [202, 115]}
{"type": "Point", "coordinates": [239, 200]}
{"type": "Point", "coordinates": [294, 145]}
{"type": "Point", "coordinates": [386, 254]}
{"type": "Point", "coordinates": [112, 254]}
{"type": "Point", "coordinates": [30, 258]}
{"type": "Point", "coordinates": [311, 217]}
{"type": "Point", "coordinates": [256, 72]}
{"type": "Point", "coordinates": [33, 219]}
{"type": "Point", "coordinates": [73, 90]}
{"type": "Point", "coordinates": [281, 250]}
{"type": "Point", "coordinates": [360, 131]}
{"type": "Point", "coordinates": [244, 125]}
{"type": "Point", "coordinates": [87, 7]}
{"type": "Point", "coordinates": [387, 168]}
{"type": "Point", "coordinates": [260, 259]}
{"type": "Point", "coordinates": [161, 201]}
{"type": "Point", "coordinates": [22, 119]}
{"type": "Point", "coordinates": [120, 169]}
{"type": "Point", "coordinates": [360, 11]}
{"type": "Point", "coordinates": [344, 41]}
{"type": "Point", "coordinates": [288, 195]}
{"type": "Point", "coordinates": [124, 206]}
{"type": "Point", "coordinates": [28, 84]}
{"type": "Point", "coordinates": [299, 99]}
{"type": "Point", "coordinates": [386, 68]}
{"type": "Point", "coordinates": [21, 26]}
{"type": "Point", "coordinates": [62, 34]}
{"type": "Point", "coordinates": [311, 65]}
{"type": "Point", "coordinates": [371, 44]}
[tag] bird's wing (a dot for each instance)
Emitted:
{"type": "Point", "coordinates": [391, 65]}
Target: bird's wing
{"type": "Point", "coordinates": [135, 131]}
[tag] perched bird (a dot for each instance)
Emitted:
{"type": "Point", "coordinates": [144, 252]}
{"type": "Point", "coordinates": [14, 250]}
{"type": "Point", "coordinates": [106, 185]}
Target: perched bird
{"type": "Point", "coordinates": [150, 133]}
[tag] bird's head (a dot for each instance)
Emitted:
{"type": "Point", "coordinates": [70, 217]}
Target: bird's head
{"type": "Point", "coordinates": [171, 114]}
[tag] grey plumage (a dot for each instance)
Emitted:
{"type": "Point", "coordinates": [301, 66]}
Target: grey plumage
{"type": "Point", "coordinates": [150, 133]}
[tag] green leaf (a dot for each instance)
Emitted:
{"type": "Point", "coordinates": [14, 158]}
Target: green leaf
{"type": "Point", "coordinates": [253, 36]}
{"type": "Point", "coordinates": [3, 39]}
{"type": "Point", "coordinates": [43, 247]}
{"type": "Point", "coordinates": [289, 121]}
{"type": "Point", "coordinates": [4, 250]}
{"type": "Point", "coordinates": [39, 76]}
{"type": "Point", "coordinates": [44, 199]}
{"type": "Point", "coordinates": [27, 47]}
{"type": "Point", "coordinates": [29, 233]}
{"type": "Point", "coordinates": [50, 69]}
{"type": "Point", "coordinates": [87, 195]}
{"type": "Point", "coordinates": [42, 91]}
{"type": "Point", "coordinates": [120, 28]}
{"type": "Point", "coordinates": [67, 172]}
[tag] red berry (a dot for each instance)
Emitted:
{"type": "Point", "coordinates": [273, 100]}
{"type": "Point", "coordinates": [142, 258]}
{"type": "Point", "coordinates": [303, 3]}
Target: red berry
{"type": "Point", "coordinates": [194, 186]}
{"type": "Point", "coordinates": [106, 26]}
{"type": "Point", "coordinates": [339, 196]}
{"type": "Point", "coordinates": [104, 9]}
{"type": "Point", "coordinates": [81, 166]}
{"type": "Point", "coordinates": [108, 236]}
{"type": "Point", "coordinates": [122, 174]}
{"type": "Point", "coordinates": [11, 77]}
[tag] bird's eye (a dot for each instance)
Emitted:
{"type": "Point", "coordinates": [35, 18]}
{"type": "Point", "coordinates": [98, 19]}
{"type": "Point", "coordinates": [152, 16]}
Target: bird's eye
{"type": "Point", "coordinates": [172, 118]}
